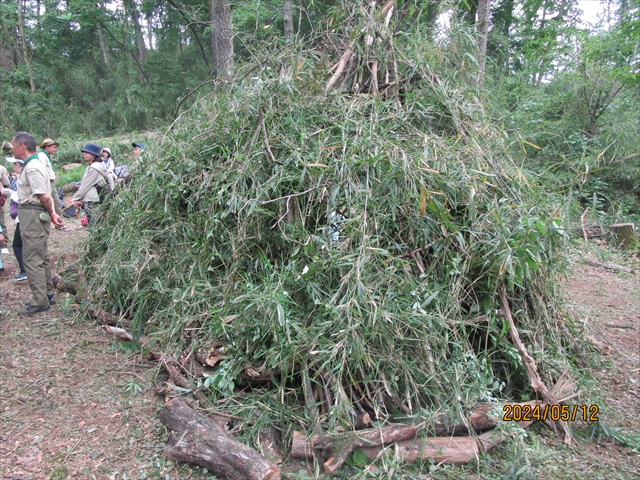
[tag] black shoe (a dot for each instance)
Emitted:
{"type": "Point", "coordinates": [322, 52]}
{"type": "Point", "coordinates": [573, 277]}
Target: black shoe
{"type": "Point", "coordinates": [33, 309]}
{"type": "Point", "coordinates": [52, 301]}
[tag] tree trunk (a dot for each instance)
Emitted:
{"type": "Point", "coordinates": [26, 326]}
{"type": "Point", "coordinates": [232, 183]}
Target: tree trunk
{"type": "Point", "coordinates": [540, 73]}
{"type": "Point", "coordinates": [212, 37]}
{"type": "Point", "coordinates": [25, 56]}
{"type": "Point", "coordinates": [287, 12]}
{"type": "Point", "coordinates": [140, 46]}
{"type": "Point", "coordinates": [624, 235]}
{"type": "Point", "coordinates": [222, 37]}
{"type": "Point", "coordinates": [103, 46]}
{"type": "Point", "coordinates": [198, 439]}
{"type": "Point", "coordinates": [482, 33]}
{"type": "Point", "coordinates": [150, 31]}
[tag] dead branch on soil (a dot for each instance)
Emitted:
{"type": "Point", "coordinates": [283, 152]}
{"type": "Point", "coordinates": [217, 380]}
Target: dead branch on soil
{"type": "Point", "coordinates": [614, 267]}
{"type": "Point", "coordinates": [61, 285]}
{"type": "Point", "coordinates": [121, 333]}
{"type": "Point", "coordinates": [614, 325]}
{"type": "Point", "coordinates": [584, 230]}
{"type": "Point", "coordinates": [550, 398]}
{"type": "Point", "coordinates": [342, 444]}
{"type": "Point", "coordinates": [176, 376]}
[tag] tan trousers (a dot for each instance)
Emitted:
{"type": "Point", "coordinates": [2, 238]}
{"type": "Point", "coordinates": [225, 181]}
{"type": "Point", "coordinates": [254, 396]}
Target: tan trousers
{"type": "Point", "coordinates": [35, 255]}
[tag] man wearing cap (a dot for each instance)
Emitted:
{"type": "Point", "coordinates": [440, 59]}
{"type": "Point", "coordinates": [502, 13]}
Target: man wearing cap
{"type": "Point", "coordinates": [50, 147]}
{"type": "Point", "coordinates": [137, 149]}
{"type": "Point", "coordinates": [7, 147]}
{"type": "Point", "coordinates": [36, 212]}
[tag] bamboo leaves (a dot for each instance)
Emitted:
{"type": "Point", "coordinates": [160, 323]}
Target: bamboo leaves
{"type": "Point", "coordinates": [353, 263]}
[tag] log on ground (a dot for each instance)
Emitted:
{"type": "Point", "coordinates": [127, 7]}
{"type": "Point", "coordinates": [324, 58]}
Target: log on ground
{"type": "Point", "coordinates": [614, 267]}
{"type": "Point", "coordinates": [440, 449]}
{"type": "Point", "coordinates": [478, 421]}
{"type": "Point", "coordinates": [198, 439]}
{"type": "Point", "coordinates": [342, 444]}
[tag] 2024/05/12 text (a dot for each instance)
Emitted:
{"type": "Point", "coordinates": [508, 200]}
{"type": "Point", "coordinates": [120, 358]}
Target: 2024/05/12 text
{"type": "Point", "coordinates": [566, 413]}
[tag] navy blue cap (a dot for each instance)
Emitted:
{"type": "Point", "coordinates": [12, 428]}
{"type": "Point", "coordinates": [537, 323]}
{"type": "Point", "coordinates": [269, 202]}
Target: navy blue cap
{"type": "Point", "coordinates": [91, 148]}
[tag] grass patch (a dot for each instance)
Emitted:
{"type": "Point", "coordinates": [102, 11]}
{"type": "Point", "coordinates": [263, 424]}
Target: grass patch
{"type": "Point", "coordinates": [72, 176]}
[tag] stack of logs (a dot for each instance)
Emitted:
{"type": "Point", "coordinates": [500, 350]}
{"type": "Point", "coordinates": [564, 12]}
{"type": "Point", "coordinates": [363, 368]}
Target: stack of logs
{"type": "Point", "coordinates": [202, 438]}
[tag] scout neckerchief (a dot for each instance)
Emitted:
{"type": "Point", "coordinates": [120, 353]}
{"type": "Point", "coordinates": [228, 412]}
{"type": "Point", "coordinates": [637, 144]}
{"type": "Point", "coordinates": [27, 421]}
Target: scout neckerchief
{"type": "Point", "coordinates": [24, 165]}
{"type": "Point", "coordinates": [46, 153]}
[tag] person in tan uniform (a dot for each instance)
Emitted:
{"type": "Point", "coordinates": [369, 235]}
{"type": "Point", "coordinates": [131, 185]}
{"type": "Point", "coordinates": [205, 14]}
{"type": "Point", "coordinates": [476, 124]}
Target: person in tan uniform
{"type": "Point", "coordinates": [49, 147]}
{"type": "Point", "coordinates": [36, 213]}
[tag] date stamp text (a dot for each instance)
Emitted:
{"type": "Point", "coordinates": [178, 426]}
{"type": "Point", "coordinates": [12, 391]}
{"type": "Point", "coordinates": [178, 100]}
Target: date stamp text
{"type": "Point", "coordinates": [556, 413]}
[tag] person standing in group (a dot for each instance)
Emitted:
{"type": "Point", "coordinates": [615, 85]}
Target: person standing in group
{"type": "Point", "coordinates": [95, 179]}
{"type": "Point", "coordinates": [36, 213]}
{"type": "Point", "coordinates": [14, 203]}
{"type": "Point", "coordinates": [137, 150]}
{"type": "Point", "coordinates": [49, 148]}
{"type": "Point", "coordinates": [6, 183]}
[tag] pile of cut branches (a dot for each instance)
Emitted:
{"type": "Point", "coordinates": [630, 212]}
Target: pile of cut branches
{"type": "Point", "coordinates": [310, 261]}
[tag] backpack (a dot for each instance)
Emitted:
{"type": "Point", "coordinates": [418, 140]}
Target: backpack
{"type": "Point", "coordinates": [121, 171]}
{"type": "Point", "coordinates": [13, 209]}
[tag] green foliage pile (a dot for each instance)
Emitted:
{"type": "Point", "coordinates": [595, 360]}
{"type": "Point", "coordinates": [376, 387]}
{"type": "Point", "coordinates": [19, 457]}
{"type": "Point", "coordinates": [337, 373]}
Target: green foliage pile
{"type": "Point", "coordinates": [221, 239]}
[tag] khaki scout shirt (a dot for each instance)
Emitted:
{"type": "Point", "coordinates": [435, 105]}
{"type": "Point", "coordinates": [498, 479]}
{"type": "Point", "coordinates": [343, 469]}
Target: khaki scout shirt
{"type": "Point", "coordinates": [46, 160]}
{"type": "Point", "coordinates": [34, 181]}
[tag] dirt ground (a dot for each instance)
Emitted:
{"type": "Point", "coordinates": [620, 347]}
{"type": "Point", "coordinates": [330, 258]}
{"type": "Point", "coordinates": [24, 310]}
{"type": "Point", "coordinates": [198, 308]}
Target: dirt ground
{"type": "Point", "coordinates": [75, 404]}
